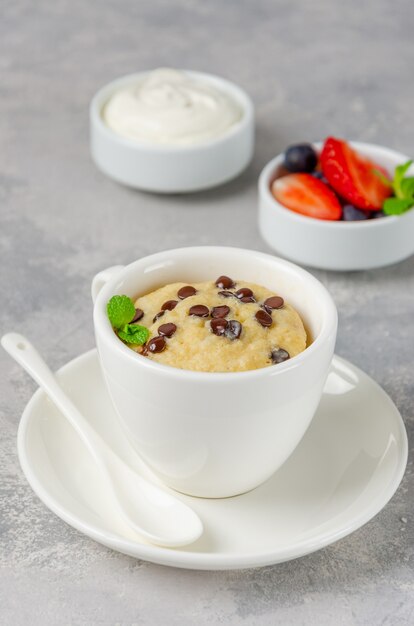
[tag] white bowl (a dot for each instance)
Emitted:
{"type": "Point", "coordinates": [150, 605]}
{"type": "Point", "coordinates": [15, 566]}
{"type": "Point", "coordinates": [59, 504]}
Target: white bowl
{"type": "Point", "coordinates": [167, 168]}
{"type": "Point", "coordinates": [336, 245]}
{"type": "Point", "coordinates": [215, 434]}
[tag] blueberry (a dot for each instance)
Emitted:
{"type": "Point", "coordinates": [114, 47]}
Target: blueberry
{"type": "Point", "coordinates": [301, 158]}
{"type": "Point", "coordinates": [376, 214]}
{"type": "Point", "coordinates": [352, 214]}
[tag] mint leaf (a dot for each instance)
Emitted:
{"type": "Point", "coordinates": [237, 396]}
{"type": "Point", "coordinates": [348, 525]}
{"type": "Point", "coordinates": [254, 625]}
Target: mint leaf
{"type": "Point", "coordinates": [403, 188]}
{"type": "Point", "coordinates": [399, 174]}
{"type": "Point", "coordinates": [397, 206]}
{"type": "Point", "coordinates": [407, 186]}
{"type": "Point", "coordinates": [121, 310]}
{"type": "Point", "coordinates": [400, 170]}
{"type": "Point", "coordinates": [134, 333]}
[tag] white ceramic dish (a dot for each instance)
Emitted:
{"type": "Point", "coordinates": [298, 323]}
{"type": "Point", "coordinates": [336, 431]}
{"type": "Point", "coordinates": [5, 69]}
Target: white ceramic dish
{"type": "Point", "coordinates": [166, 168]}
{"type": "Point", "coordinates": [344, 471]}
{"type": "Point", "coordinates": [336, 245]}
{"type": "Point", "coordinates": [194, 429]}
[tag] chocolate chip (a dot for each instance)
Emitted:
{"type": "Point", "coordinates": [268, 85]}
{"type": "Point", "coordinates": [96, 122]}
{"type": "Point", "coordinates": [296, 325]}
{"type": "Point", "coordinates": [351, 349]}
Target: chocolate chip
{"type": "Point", "coordinates": [264, 318]}
{"type": "Point", "coordinates": [220, 311]}
{"type": "Point", "coordinates": [156, 344]}
{"type": "Point", "coordinates": [199, 310]}
{"type": "Point", "coordinates": [275, 302]}
{"type": "Point", "coordinates": [245, 292]}
{"type": "Point", "coordinates": [157, 316]}
{"type": "Point", "coordinates": [218, 326]}
{"type": "Point", "coordinates": [139, 313]}
{"type": "Point", "coordinates": [186, 292]}
{"type": "Point", "coordinates": [279, 355]}
{"type": "Point", "coordinates": [169, 305]}
{"type": "Point", "coordinates": [226, 294]}
{"type": "Point", "coordinates": [233, 329]}
{"type": "Point", "coordinates": [167, 330]}
{"type": "Point", "coordinates": [247, 299]}
{"type": "Point", "coordinates": [224, 282]}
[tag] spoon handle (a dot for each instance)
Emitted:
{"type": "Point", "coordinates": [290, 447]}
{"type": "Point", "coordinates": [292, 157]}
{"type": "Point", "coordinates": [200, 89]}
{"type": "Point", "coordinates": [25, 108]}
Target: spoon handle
{"type": "Point", "coordinates": [153, 503]}
{"type": "Point", "coordinates": [28, 357]}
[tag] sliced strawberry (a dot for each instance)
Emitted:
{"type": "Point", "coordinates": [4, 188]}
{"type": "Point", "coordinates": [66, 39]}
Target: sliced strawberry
{"type": "Point", "coordinates": [352, 175]}
{"type": "Point", "coordinates": [305, 194]}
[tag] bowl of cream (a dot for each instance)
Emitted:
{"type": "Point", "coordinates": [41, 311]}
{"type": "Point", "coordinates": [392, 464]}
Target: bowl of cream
{"type": "Point", "coordinates": [171, 131]}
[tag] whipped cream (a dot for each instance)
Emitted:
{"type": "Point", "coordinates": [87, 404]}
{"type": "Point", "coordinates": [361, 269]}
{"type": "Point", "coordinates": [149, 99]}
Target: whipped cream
{"type": "Point", "coordinates": [171, 107]}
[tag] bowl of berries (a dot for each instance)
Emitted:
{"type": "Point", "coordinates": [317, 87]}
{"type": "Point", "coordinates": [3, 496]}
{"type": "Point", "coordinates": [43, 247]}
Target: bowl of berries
{"type": "Point", "coordinates": [338, 205]}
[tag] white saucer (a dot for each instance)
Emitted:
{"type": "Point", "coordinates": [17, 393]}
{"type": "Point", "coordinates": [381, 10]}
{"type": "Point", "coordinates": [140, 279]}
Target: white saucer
{"type": "Point", "coordinates": [344, 471]}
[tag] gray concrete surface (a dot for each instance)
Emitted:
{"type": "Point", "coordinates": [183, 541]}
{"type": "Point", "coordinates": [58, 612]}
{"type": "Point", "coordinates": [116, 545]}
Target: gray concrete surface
{"type": "Point", "coordinates": [312, 68]}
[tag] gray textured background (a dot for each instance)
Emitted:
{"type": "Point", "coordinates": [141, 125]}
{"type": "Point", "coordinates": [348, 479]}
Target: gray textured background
{"type": "Point", "coordinates": [312, 68]}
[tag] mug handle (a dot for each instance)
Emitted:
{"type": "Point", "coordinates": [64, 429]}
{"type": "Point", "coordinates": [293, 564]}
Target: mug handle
{"type": "Point", "coordinates": [101, 278]}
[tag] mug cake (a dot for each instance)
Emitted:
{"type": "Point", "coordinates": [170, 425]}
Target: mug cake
{"type": "Point", "coordinates": [215, 326]}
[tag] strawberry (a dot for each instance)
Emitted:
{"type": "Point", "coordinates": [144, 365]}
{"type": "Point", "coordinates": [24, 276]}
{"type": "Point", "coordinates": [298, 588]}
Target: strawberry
{"type": "Point", "coordinates": [352, 175]}
{"type": "Point", "coordinates": [305, 194]}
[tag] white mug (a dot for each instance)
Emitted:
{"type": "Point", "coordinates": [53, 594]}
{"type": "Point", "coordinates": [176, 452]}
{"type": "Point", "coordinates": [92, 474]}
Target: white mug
{"type": "Point", "coordinates": [215, 434]}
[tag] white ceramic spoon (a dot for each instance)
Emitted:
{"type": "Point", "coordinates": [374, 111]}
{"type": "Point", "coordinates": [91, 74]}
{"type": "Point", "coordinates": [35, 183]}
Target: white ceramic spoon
{"type": "Point", "coordinates": [154, 514]}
